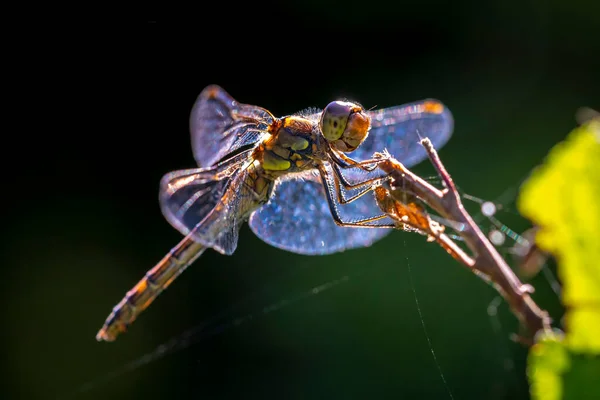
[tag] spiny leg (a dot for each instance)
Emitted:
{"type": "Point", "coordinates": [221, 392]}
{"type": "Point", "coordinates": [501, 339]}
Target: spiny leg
{"type": "Point", "coordinates": [329, 183]}
{"type": "Point", "coordinates": [342, 185]}
{"type": "Point", "coordinates": [347, 185]}
{"type": "Point", "coordinates": [369, 182]}
{"type": "Point", "coordinates": [346, 162]}
{"type": "Point", "coordinates": [341, 190]}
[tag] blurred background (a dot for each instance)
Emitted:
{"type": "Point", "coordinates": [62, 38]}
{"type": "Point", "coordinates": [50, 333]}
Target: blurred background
{"type": "Point", "coordinates": [108, 116]}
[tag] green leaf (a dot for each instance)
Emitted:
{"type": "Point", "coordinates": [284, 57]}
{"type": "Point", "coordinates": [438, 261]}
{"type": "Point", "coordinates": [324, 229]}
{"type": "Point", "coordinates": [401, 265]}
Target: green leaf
{"type": "Point", "coordinates": [548, 360]}
{"type": "Point", "coordinates": [562, 197]}
{"type": "Point", "coordinates": [556, 373]}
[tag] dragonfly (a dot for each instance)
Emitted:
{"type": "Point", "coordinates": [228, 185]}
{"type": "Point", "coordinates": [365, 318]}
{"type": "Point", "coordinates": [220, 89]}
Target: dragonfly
{"type": "Point", "coordinates": [300, 181]}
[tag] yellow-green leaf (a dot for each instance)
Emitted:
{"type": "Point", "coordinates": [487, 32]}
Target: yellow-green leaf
{"type": "Point", "coordinates": [563, 198]}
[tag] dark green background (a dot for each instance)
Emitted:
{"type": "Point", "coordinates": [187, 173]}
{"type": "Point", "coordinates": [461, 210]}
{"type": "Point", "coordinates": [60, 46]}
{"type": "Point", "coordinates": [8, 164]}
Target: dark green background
{"type": "Point", "coordinates": [84, 223]}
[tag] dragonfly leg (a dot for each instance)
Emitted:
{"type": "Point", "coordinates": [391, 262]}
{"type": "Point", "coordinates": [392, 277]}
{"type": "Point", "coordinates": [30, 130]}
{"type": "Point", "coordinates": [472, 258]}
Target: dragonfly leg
{"type": "Point", "coordinates": [331, 190]}
{"type": "Point", "coordinates": [341, 190]}
{"type": "Point", "coordinates": [342, 185]}
{"type": "Point", "coordinates": [346, 162]}
{"type": "Point", "coordinates": [347, 185]}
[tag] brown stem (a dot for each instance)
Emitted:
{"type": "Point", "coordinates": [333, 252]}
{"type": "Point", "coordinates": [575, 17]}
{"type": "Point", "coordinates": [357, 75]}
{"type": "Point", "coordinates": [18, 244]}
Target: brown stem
{"type": "Point", "coordinates": [487, 263]}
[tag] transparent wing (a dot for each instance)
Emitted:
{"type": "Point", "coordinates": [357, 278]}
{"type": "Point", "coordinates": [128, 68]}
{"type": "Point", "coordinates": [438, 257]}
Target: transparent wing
{"type": "Point", "coordinates": [210, 203]}
{"type": "Point", "coordinates": [297, 218]}
{"type": "Point", "coordinates": [399, 129]}
{"type": "Point", "coordinates": [219, 125]}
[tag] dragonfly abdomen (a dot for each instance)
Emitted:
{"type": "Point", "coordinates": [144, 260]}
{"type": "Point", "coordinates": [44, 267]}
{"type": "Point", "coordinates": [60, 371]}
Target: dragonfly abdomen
{"type": "Point", "coordinates": [149, 287]}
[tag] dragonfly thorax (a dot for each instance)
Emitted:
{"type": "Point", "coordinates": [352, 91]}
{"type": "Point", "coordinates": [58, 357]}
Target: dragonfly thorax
{"type": "Point", "coordinates": [344, 125]}
{"type": "Point", "coordinates": [291, 148]}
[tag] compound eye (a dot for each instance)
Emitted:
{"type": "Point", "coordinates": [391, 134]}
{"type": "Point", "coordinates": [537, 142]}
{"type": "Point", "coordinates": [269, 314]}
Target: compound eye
{"type": "Point", "coordinates": [335, 118]}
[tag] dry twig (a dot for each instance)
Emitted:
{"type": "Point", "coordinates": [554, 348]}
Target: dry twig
{"type": "Point", "coordinates": [401, 199]}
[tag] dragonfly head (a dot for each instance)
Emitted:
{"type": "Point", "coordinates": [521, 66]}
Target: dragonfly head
{"type": "Point", "coordinates": [344, 125]}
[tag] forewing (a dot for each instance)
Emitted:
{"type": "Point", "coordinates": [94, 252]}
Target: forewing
{"type": "Point", "coordinates": [399, 130]}
{"type": "Point", "coordinates": [297, 218]}
{"type": "Point", "coordinates": [219, 125]}
{"type": "Point", "coordinates": [196, 201]}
